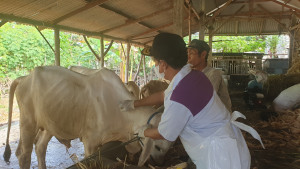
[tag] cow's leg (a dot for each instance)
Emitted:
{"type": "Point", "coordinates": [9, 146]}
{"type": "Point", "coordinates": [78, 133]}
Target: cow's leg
{"type": "Point", "coordinates": [28, 132]}
{"type": "Point", "coordinates": [42, 139]}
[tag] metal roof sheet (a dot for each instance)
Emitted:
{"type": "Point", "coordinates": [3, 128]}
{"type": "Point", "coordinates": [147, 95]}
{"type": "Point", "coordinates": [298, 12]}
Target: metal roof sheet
{"type": "Point", "coordinates": [140, 20]}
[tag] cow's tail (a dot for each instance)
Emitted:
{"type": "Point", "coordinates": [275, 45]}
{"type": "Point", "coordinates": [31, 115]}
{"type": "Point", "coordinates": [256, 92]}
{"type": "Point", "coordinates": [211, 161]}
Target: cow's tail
{"type": "Point", "coordinates": [13, 86]}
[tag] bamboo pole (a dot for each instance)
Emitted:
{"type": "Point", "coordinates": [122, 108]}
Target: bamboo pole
{"type": "Point", "coordinates": [144, 68]}
{"type": "Point", "coordinates": [45, 39]}
{"type": "Point", "coordinates": [190, 36]}
{"type": "Point", "coordinates": [57, 47]}
{"type": "Point", "coordinates": [102, 51]}
{"type": "Point", "coordinates": [90, 47]}
{"type": "Point", "coordinates": [138, 69]}
{"type": "Point", "coordinates": [127, 62]}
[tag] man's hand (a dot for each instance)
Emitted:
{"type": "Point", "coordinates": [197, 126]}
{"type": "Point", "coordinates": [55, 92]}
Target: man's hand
{"type": "Point", "coordinates": [140, 131]}
{"type": "Point", "coordinates": [126, 105]}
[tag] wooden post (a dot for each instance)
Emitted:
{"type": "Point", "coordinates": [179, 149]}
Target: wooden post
{"type": "Point", "coordinates": [44, 39]}
{"type": "Point", "coordinates": [190, 36]}
{"type": "Point", "coordinates": [127, 62]}
{"type": "Point", "coordinates": [57, 47]}
{"type": "Point", "coordinates": [178, 17]}
{"type": "Point", "coordinates": [201, 28]}
{"type": "Point", "coordinates": [102, 52]}
{"type": "Point", "coordinates": [138, 69]}
{"type": "Point", "coordinates": [144, 68]}
{"type": "Point", "coordinates": [292, 50]}
{"type": "Point", "coordinates": [209, 59]}
{"type": "Point", "coordinates": [202, 20]}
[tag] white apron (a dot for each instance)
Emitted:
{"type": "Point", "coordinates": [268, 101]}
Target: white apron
{"type": "Point", "coordinates": [224, 149]}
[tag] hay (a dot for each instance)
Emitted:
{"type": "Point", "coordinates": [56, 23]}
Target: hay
{"type": "Point", "coordinates": [281, 140]}
{"type": "Point", "coordinates": [277, 83]}
{"type": "Point", "coordinates": [278, 132]}
{"type": "Point", "coordinates": [295, 68]}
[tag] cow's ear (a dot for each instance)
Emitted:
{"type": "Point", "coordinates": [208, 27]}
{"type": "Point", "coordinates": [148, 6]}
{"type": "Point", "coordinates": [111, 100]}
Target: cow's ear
{"type": "Point", "coordinates": [148, 145]}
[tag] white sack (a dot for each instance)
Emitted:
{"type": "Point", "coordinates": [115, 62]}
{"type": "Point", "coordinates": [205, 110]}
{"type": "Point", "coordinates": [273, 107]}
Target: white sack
{"type": "Point", "coordinates": [287, 99]}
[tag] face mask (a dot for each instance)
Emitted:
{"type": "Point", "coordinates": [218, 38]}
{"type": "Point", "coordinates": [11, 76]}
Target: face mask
{"type": "Point", "coordinates": [159, 75]}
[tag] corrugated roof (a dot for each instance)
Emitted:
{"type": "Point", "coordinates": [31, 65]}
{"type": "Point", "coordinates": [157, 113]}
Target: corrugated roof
{"type": "Point", "coordinates": [140, 20]}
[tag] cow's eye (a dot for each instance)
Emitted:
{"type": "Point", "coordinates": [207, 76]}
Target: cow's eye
{"type": "Point", "coordinates": [157, 148]}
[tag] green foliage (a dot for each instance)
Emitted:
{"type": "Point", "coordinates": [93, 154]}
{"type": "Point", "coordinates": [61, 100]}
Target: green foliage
{"type": "Point", "coordinates": [236, 43]}
{"type": "Point", "coordinates": [272, 42]}
{"type": "Point", "coordinates": [22, 48]}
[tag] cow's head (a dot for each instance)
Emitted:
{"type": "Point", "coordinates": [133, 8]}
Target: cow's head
{"type": "Point", "coordinates": [151, 149]}
{"type": "Point", "coordinates": [154, 150]}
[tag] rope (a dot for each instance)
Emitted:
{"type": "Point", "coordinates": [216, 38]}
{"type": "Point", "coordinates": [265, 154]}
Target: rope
{"type": "Point", "coordinates": [151, 117]}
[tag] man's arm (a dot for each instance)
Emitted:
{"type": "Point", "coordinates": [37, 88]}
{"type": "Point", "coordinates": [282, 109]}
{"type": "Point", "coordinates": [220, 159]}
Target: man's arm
{"type": "Point", "coordinates": [154, 99]}
{"type": "Point", "coordinates": [153, 133]}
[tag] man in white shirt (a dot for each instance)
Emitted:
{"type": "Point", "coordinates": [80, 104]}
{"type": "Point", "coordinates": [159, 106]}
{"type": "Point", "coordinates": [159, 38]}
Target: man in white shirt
{"type": "Point", "coordinates": [194, 112]}
{"type": "Point", "coordinates": [198, 51]}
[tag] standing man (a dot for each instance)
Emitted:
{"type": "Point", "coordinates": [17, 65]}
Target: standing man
{"type": "Point", "coordinates": [198, 51]}
{"type": "Point", "coordinates": [194, 112]}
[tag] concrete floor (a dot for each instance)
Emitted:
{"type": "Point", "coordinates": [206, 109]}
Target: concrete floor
{"type": "Point", "coordinates": [56, 157]}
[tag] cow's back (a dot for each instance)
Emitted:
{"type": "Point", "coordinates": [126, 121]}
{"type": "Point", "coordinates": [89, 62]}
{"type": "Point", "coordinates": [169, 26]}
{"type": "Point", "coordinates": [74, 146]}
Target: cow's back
{"type": "Point", "coordinates": [68, 104]}
{"type": "Point", "coordinates": [55, 98]}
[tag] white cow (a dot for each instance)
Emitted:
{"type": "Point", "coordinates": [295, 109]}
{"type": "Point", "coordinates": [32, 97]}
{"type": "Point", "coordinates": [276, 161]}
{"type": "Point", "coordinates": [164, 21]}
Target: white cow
{"type": "Point", "coordinates": [131, 86]}
{"type": "Point", "coordinates": [55, 101]}
{"type": "Point", "coordinates": [83, 70]}
{"type": "Point", "coordinates": [152, 87]}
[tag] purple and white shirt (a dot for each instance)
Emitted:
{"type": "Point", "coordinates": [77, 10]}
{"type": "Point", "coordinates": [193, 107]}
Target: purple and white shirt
{"type": "Point", "coordinates": [191, 106]}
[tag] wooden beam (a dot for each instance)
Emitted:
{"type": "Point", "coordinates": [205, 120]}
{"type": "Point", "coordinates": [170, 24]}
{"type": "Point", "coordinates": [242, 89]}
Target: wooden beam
{"type": "Point", "coordinates": [251, 4]}
{"type": "Point", "coordinates": [236, 27]}
{"type": "Point", "coordinates": [45, 39]}
{"type": "Point", "coordinates": [102, 51]}
{"type": "Point", "coordinates": [286, 5]}
{"type": "Point", "coordinates": [190, 36]}
{"type": "Point", "coordinates": [218, 11]}
{"type": "Point", "coordinates": [277, 14]}
{"type": "Point", "coordinates": [202, 27]}
{"type": "Point", "coordinates": [262, 24]}
{"type": "Point", "coordinates": [295, 27]}
{"type": "Point", "coordinates": [192, 8]}
{"type": "Point", "coordinates": [264, 9]}
{"type": "Point", "coordinates": [186, 7]}
{"type": "Point", "coordinates": [247, 1]}
{"type": "Point", "coordinates": [177, 17]}
{"type": "Point", "coordinates": [79, 10]}
{"type": "Point", "coordinates": [144, 68]}
{"type": "Point", "coordinates": [127, 62]}
{"type": "Point", "coordinates": [132, 21]}
{"type": "Point", "coordinates": [298, 15]}
{"type": "Point", "coordinates": [145, 43]}
{"type": "Point", "coordinates": [90, 47]}
{"type": "Point", "coordinates": [138, 69]}
{"type": "Point", "coordinates": [60, 27]}
{"type": "Point", "coordinates": [57, 47]}
{"type": "Point", "coordinates": [152, 30]}
{"type": "Point", "coordinates": [124, 15]}
{"type": "Point", "coordinates": [226, 21]}
{"type": "Point", "coordinates": [109, 46]}
{"type": "Point", "coordinates": [3, 22]}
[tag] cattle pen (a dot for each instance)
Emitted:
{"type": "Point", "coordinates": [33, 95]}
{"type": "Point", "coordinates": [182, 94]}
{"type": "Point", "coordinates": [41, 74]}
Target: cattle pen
{"type": "Point", "coordinates": [135, 23]}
